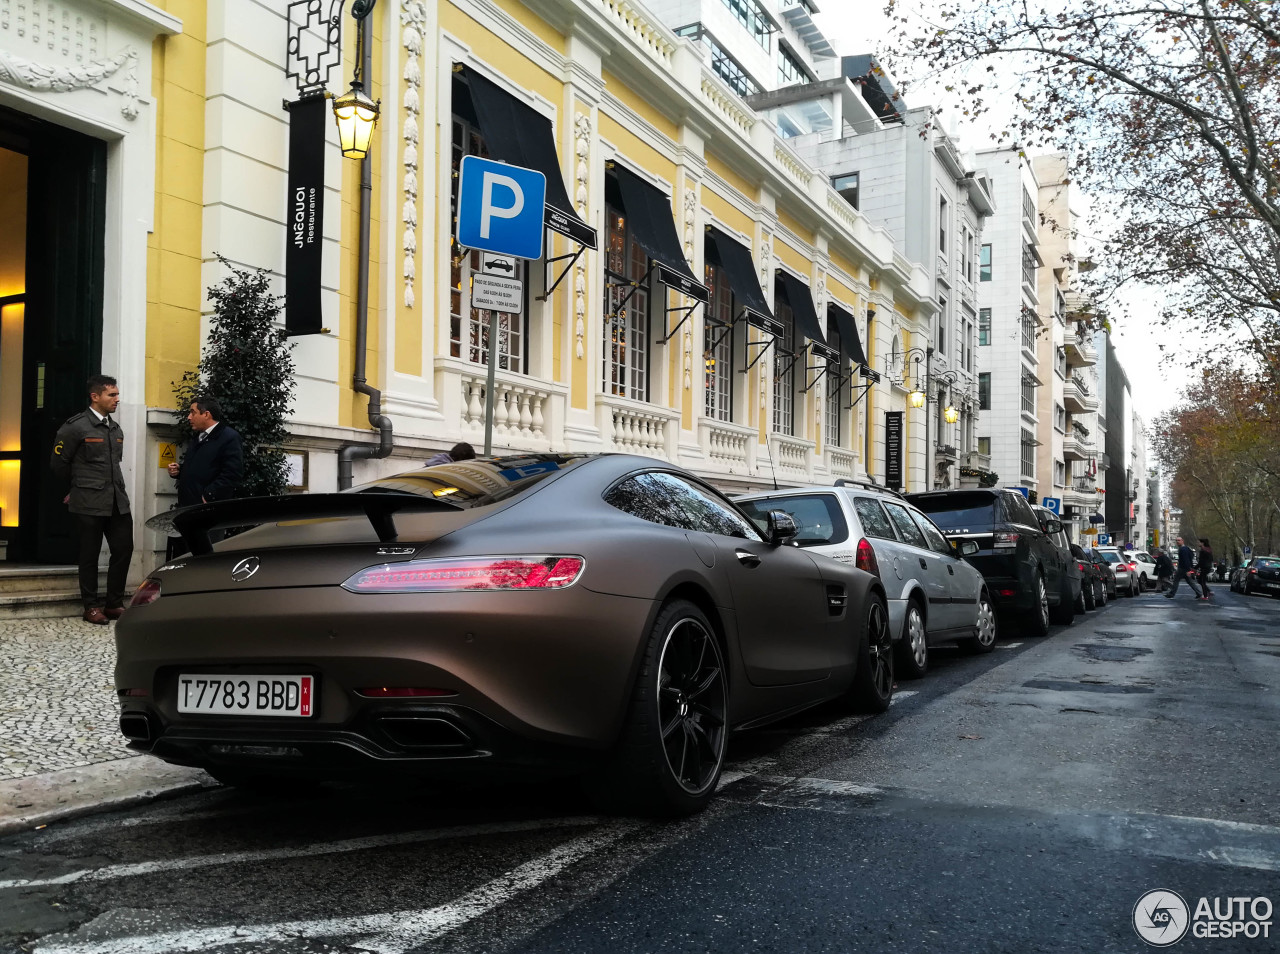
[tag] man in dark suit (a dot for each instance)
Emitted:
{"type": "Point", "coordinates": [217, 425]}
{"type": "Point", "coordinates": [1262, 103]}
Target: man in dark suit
{"type": "Point", "coordinates": [213, 464]}
{"type": "Point", "coordinates": [87, 456]}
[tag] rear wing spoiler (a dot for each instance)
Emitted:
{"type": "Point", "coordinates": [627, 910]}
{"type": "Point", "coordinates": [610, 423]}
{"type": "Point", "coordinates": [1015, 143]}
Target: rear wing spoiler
{"type": "Point", "coordinates": [194, 523]}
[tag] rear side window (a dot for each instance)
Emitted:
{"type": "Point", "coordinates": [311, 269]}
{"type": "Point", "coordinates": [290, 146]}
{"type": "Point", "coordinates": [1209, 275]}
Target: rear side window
{"type": "Point", "coordinates": [961, 513]}
{"type": "Point", "coordinates": [875, 522]}
{"type": "Point", "coordinates": [937, 542]}
{"type": "Point", "coordinates": [1111, 557]}
{"type": "Point", "coordinates": [906, 526]}
{"type": "Point", "coordinates": [818, 517]}
{"type": "Point", "coordinates": [1020, 511]}
{"type": "Point", "coordinates": [672, 501]}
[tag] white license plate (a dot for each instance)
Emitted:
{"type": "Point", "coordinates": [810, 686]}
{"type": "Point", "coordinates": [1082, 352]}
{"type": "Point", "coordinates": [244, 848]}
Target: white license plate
{"type": "Point", "coordinates": [237, 694]}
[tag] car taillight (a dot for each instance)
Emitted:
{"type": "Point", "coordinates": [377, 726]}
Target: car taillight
{"type": "Point", "coordinates": [1253, 569]}
{"type": "Point", "coordinates": [1005, 540]}
{"type": "Point", "coordinates": [1081, 565]}
{"type": "Point", "coordinates": [469, 573]}
{"type": "Point", "coordinates": [1132, 566]}
{"type": "Point", "coordinates": [147, 592]}
{"type": "Point", "coordinates": [866, 558]}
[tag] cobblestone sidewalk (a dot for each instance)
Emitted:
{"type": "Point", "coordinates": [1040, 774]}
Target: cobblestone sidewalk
{"type": "Point", "coordinates": [57, 700]}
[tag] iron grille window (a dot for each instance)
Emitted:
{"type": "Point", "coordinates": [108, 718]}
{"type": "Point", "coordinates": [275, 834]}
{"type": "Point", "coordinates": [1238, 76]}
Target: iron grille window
{"type": "Point", "coordinates": [717, 346]}
{"type": "Point", "coordinates": [984, 322]}
{"type": "Point", "coordinates": [1028, 266]}
{"type": "Point", "coordinates": [469, 327]}
{"type": "Point", "coordinates": [1028, 330]}
{"type": "Point", "coordinates": [1028, 454]}
{"type": "Point", "coordinates": [984, 264]}
{"type": "Point", "coordinates": [1029, 209]}
{"type": "Point", "coordinates": [1028, 395]}
{"type": "Point", "coordinates": [626, 313]}
{"type": "Point", "coordinates": [784, 371]}
{"type": "Point", "coordinates": [984, 391]}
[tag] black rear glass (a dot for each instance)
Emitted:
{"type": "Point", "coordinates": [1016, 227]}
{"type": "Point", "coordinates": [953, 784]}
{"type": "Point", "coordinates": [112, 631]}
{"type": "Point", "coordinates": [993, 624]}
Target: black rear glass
{"type": "Point", "coordinates": [974, 512]}
{"type": "Point", "coordinates": [481, 482]}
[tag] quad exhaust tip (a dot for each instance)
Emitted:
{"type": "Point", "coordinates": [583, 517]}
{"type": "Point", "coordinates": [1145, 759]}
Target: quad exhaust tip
{"type": "Point", "coordinates": [136, 727]}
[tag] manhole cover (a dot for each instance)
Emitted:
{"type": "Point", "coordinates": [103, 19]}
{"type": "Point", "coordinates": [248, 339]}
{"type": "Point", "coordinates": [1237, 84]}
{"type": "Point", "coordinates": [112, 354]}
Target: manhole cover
{"type": "Point", "coordinates": [1104, 653]}
{"type": "Point", "coordinates": [1061, 685]}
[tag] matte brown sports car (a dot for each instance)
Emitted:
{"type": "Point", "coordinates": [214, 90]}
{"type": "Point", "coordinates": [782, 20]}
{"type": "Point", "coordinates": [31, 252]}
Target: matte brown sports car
{"type": "Point", "coordinates": [610, 615]}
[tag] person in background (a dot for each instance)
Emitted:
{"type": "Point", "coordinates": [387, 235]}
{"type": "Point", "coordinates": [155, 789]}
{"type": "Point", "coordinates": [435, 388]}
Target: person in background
{"type": "Point", "coordinates": [1164, 569]}
{"type": "Point", "coordinates": [1205, 565]}
{"type": "Point", "coordinates": [212, 465]}
{"type": "Point", "coordinates": [1186, 569]}
{"type": "Point", "coordinates": [460, 451]}
{"type": "Point", "coordinates": [86, 455]}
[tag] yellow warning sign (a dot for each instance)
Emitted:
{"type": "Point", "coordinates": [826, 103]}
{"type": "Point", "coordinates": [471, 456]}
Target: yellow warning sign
{"type": "Point", "coordinates": [168, 455]}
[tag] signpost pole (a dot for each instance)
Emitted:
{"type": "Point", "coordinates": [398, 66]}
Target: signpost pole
{"type": "Point", "coordinates": [488, 387]}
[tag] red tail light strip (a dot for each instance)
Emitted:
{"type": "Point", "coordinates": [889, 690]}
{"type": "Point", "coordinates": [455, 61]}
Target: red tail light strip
{"type": "Point", "coordinates": [866, 558]}
{"type": "Point", "coordinates": [148, 592]}
{"type": "Point", "coordinates": [469, 573]}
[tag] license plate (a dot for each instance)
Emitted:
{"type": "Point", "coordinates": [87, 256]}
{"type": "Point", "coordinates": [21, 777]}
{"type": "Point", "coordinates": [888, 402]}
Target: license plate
{"type": "Point", "coordinates": [228, 694]}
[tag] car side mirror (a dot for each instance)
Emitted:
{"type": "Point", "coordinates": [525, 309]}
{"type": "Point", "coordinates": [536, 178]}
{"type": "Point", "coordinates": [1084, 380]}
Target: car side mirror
{"type": "Point", "coordinates": [1052, 526]}
{"type": "Point", "coordinates": [782, 527]}
{"type": "Point", "coordinates": [967, 548]}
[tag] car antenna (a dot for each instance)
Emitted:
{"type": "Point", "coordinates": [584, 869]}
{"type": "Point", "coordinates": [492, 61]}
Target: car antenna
{"type": "Point", "coordinates": [773, 470]}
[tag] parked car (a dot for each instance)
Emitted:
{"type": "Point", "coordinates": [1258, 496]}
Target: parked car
{"type": "Point", "coordinates": [1023, 569]}
{"type": "Point", "coordinates": [934, 596]}
{"type": "Point", "coordinates": [1125, 570]}
{"type": "Point", "coordinates": [1237, 577]}
{"type": "Point", "coordinates": [1147, 578]}
{"type": "Point", "coordinates": [606, 615]}
{"type": "Point", "coordinates": [1092, 582]}
{"type": "Point", "coordinates": [1261, 575]}
{"type": "Point", "coordinates": [1105, 571]}
{"type": "Point", "coordinates": [1073, 584]}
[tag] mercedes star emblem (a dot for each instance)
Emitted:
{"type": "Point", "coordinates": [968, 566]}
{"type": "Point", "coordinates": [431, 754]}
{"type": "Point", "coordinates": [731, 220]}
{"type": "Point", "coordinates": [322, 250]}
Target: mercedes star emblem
{"type": "Point", "coordinates": [245, 569]}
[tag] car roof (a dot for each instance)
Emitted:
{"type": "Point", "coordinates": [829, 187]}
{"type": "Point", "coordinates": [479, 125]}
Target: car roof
{"type": "Point", "coordinates": [792, 491]}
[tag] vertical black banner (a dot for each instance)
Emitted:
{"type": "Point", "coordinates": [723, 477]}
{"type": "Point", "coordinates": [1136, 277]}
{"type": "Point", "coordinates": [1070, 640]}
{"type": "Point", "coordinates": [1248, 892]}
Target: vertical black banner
{"type": "Point", "coordinates": [304, 216]}
{"type": "Point", "coordinates": [893, 450]}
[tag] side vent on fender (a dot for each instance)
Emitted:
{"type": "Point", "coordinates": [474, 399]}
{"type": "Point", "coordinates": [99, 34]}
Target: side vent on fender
{"type": "Point", "coordinates": [837, 599]}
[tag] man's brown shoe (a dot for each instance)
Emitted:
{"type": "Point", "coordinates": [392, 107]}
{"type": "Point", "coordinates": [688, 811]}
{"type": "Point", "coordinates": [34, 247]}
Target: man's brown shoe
{"type": "Point", "coordinates": [113, 612]}
{"type": "Point", "coordinates": [94, 614]}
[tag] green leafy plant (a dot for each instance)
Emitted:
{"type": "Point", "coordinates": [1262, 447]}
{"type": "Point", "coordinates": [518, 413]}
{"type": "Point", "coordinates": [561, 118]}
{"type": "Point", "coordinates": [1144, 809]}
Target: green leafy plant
{"type": "Point", "coordinates": [985, 478]}
{"type": "Point", "coordinates": [248, 367]}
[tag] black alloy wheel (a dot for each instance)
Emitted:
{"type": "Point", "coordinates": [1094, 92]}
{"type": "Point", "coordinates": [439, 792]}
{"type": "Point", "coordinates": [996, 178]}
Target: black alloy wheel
{"type": "Point", "coordinates": [669, 758]}
{"type": "Point", "coordinates": [872, 688]}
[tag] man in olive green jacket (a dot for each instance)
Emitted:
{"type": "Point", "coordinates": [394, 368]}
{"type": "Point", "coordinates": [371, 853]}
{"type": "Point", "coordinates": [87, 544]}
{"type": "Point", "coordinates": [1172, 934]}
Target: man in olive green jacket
{"type": "Point", "coordinates": [86, 455]}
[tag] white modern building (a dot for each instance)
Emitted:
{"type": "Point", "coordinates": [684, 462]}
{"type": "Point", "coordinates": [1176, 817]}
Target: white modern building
{"type": "Point", "coordinates": [1008, 364]}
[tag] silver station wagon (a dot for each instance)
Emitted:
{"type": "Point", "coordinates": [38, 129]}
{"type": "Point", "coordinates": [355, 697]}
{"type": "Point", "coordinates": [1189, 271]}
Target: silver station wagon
{"type": "Point", "coordinates": [934, 596]}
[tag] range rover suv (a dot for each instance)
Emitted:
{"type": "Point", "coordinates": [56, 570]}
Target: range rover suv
{"type": "Point", "coordinates": [1024, 570]}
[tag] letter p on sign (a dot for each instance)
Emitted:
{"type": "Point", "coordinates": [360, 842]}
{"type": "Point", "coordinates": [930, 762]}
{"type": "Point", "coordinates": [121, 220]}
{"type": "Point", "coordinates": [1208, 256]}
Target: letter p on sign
{"type": "Point", "coordinates": [500, 208]}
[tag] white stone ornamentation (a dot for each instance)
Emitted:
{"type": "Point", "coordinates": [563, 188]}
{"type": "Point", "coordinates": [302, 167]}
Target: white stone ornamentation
{"type": "Point", "coordinates": [413, 18]}
{"type": "Point", "coordinates": [44, 78]}
{"type": "Point", "coordinates": [581, 174]}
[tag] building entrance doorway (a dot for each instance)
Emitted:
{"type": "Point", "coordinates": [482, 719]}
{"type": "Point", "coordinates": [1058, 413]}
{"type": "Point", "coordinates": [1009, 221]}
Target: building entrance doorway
{"type": "Point", "coordinates": [53, 209]}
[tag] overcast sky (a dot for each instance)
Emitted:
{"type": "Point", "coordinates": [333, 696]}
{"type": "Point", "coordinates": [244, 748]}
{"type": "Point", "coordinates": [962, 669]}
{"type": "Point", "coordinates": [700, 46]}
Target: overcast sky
{"type": "Point", "coordinates": [1157, 377]}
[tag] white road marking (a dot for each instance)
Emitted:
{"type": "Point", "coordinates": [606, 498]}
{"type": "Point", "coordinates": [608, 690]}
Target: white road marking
{"type": "Point", "coordinates": [903, 694]}
{"type": "Point", "coordinates": [1008, 645]}
{"type": "Point", "coordinates": [112, 872]}
{"type": "Point", "coordinates": [391, 932]}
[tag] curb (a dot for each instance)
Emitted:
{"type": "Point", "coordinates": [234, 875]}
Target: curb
{"type": "Point", "coordinates": [37, 800]}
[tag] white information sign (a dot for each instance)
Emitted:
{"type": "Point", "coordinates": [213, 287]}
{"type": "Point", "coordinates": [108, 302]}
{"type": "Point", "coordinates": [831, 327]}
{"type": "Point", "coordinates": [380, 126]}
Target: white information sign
{"type": "Point", "coordinates": [492, 264]}
{"type": "Point", "coordinates": [497, 294]}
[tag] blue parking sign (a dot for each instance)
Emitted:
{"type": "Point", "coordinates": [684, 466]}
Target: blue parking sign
{"type": "Point", "coordinates": [1104, 539]}
{"type": "Point", "coordinates": [1052, 504]}
{"type": "Point", "coordinates": [500, 207]}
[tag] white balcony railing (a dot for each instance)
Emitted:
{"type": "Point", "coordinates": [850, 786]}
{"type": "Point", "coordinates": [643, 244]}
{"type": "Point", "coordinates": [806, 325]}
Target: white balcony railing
{"type": "Point", "coordinates": [841, 463]}
{"type": "Point", "coordinates": [637, 428]}
{"type": "Point", "coordinates": [521, 410]}
{"type": "Point", "coordinates": [729, 447]}
{"type": "Point", "coordinates": [792, 454]}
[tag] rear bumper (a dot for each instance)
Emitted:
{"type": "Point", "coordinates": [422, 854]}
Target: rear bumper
{"type": "Point", "coordinates": [1006, 580]}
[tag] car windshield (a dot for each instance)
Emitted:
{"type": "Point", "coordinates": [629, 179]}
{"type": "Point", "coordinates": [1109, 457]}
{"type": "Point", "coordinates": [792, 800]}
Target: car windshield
{"type": "Point", "coordinates": [474, 483]}
{"type": "Point", "coordinates": [958, 512]}
{"type": "Point", "coordinates": [1113, 557]}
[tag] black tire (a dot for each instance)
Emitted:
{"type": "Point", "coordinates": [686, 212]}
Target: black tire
{"type": "Point", "coordinates": [1088, 589]}
{"type": "Point", "coordinates": [1102, 593]}
{"type": "Point", "coordinates": [987, 629]}
{"type": "Point", "coordinates": [1143, 583]}
{"type": "Point", "coordinates": [672, 747]}
{"type": "Point", "coordinates": [1038, 616]}
{"type": "Point", "coordinates": [911, 652]}
{"type": "Point", "coordinates": [872, 688]}
{"type": "Point", "coordinates": [1065, 611]}
{"type": "Point", "coordinates": [1081, 603]}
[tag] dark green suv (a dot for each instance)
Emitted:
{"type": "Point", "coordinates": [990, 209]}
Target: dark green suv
{"type": "Point", "coordinates": [1024, 570]}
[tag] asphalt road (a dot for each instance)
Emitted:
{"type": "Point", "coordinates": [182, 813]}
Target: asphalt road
{"type": "Point", "coordinates": [1022, 801]}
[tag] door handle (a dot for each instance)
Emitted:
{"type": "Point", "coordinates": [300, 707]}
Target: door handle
{"type": "Point", "coordinates": [950, 572]}
{"type": "Point", "coordinates": [923, 565]}
{"type": "Point", "coordinates": [747, 558]}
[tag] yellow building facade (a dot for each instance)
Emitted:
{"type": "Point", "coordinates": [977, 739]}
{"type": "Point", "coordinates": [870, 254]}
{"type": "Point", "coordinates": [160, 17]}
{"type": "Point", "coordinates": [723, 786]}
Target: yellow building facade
{"type": "Point", "coordinates": [752, 377]}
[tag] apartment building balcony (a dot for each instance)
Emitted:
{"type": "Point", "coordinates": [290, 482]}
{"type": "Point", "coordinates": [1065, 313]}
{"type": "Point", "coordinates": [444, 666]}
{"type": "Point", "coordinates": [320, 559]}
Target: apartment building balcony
{"type": "Point", "coordinates": [1081, 352]}
{"type": "Point", "coordinates": [945, 452]}
{"type": "Point", "coordinates": [1078, 396]}
{"type": "Point", "coordinates": [1076, 446]}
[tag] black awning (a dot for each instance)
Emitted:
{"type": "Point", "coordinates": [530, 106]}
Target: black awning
{"type": "Point", "coordinates": [731, 255]}
{"type": "Point", "coordinates": [648, 214]}
{"type": "Point", "coordinates": [801, 302]}
{"type": "Point", "coordinates": [850, 344]}
{"type": "Point", "coordinates": [516, 133]}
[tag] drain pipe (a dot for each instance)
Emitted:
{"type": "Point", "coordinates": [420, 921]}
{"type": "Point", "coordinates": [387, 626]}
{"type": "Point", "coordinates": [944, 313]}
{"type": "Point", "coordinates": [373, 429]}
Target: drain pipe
{"type": "Point", "coordinates": [348, 453]}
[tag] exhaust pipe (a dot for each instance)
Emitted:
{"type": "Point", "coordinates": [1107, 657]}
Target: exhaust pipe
{"type": "Point", "coordinates": [136, 727]}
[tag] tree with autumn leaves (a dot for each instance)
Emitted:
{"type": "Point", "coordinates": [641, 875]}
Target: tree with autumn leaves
{"type": "Point", "coordinates": [1222, 447]}
{"type": "Point", "coordinates": [1170, 110]}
